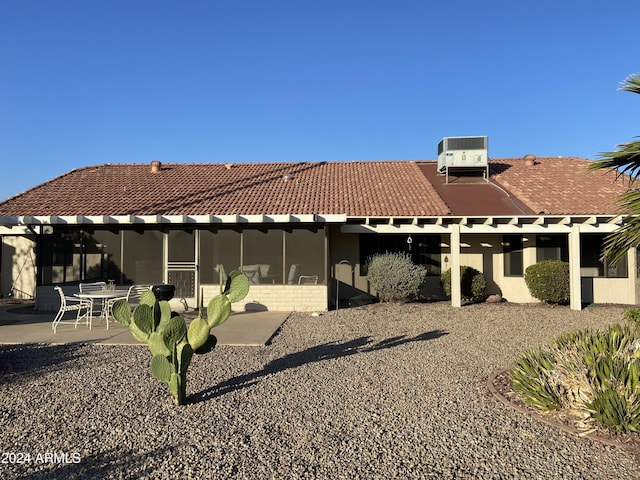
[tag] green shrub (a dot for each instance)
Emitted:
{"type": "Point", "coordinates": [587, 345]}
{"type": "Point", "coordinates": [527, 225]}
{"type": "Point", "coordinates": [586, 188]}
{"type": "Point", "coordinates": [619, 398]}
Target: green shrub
{"type": "Point", "coordinates": [548, 281]}
{"type": "Point", "coordinates": [632, 315]}
{"type": "Point", "coordinates": [591, 377]}
{"type": "Point", "coordinates": [394, 276]}
{"type": "Point", "coordinates": [472, 283]}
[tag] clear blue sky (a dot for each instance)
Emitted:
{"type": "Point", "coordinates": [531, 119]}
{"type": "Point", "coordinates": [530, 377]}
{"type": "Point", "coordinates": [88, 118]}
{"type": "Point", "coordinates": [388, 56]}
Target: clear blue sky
{"type": "Point", "coordinates": [86, 82]}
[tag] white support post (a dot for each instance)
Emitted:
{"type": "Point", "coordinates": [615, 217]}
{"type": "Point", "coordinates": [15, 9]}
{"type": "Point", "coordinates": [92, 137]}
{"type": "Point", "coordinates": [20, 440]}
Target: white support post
{"type": "Point", "coordinates": [456, 292]}
{"type": "Point", "coordinates": [575, 287]}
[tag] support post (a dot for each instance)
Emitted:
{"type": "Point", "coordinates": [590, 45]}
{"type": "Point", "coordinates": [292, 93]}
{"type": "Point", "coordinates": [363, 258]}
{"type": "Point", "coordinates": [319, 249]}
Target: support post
{"type": "Point", "coordinates": [456, 292]}
{"type": "Point", "coordinates": [575, 287]}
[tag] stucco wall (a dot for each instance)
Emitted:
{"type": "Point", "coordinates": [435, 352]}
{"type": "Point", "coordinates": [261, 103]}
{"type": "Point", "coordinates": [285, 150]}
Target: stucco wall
{"type": "Point", "coordinates": [18, 266]}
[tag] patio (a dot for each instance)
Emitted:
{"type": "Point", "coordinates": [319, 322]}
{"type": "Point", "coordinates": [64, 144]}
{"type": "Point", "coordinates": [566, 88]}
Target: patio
{"type": "Point", "coordinates": [19, 323]}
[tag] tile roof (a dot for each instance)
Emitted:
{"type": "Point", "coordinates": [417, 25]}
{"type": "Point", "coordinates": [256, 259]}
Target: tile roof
{"type": "Point", "coordinates": [554, 186]}
{"type": "Point", "coordinates": [560, 185]}
{"type": "Point", "coordinates": [376, 188]}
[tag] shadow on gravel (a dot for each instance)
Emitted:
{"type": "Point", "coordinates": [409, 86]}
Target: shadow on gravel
{"type": "Point", "coordinates": [319, 353]}
{"type": "Point", "coordinates": [23, 361]}
{"type": "Point", "coordinates": [114, 463]}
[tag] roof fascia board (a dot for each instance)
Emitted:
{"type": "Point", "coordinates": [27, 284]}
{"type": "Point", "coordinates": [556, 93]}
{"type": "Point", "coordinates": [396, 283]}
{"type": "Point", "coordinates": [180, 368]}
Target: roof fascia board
{"type": "Point", "coordinates": [440, 223]}
{"type": "Point", "coordinates": [15, 220]}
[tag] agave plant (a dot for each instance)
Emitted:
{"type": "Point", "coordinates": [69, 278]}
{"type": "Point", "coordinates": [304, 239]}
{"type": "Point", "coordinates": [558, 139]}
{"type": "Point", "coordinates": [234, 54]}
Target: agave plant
{"type": "Point", "coordinates": [594, 377]}
{"type": "Point", "coordinates": [531, 377]}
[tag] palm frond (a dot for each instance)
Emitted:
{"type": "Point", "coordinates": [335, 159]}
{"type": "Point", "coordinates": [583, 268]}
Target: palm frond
{"type": "Point", "coordinates": [619, 241]}
{"type": "Point", "coordinates": [625, 161]}
{"type": "Point", "coordinates": [631, 83]}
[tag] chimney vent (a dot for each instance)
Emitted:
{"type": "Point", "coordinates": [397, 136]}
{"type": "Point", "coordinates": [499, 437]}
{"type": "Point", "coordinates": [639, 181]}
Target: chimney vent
{"type": "Point", "coordinates": [155, 166]}
{"type": "Point", "coordinates": [529, 159]}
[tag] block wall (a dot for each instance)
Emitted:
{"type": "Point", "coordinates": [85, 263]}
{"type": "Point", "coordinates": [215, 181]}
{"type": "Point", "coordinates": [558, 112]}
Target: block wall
{"type": "Point", "coordinates": [302, 298]}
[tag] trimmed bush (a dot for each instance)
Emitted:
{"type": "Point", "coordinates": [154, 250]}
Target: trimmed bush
{"type": "Point", "coordinates": [472, 283]}
{"type": "Point", "coordinates": [548, 281]}
{"type": "Point", "coordinates": [394, 276]}
{"type": "Point", "coordinates": [590, 377]}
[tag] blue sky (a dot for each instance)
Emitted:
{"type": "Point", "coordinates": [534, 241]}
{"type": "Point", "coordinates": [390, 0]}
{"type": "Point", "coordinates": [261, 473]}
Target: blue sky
{"type": "Point", "coordinates": [91, 82]}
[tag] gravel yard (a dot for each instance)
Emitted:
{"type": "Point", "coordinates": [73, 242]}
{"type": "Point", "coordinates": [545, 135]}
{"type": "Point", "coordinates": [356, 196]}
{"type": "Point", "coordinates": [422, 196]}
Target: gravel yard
{"type": "Point", "coordinates": [383, 391]}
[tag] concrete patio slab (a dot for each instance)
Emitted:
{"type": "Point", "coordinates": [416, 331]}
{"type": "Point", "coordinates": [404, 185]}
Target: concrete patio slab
{"type": "Point", "coordinates": [20, 324]}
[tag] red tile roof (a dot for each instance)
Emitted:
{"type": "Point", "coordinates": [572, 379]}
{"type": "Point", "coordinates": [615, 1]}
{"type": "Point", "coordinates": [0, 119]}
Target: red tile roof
{"type": "Point", "coordinates": [380, 188]}
{"type": "Point", "coordinates": [560, 185]}
{"type": "Point", "coordinates": [554, 186]}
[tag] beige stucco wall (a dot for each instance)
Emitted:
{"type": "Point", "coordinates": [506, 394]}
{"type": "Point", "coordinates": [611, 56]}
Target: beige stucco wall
{"type": "Point", "coordinates": [18, 266]}
{"type": "Point", "coordinates": [484, 253]}
{"type": "Point", "coordinates": [613, 290]}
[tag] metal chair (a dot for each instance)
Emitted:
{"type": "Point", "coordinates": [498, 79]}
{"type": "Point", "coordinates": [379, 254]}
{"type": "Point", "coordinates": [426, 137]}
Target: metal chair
{"type": "Point", "coordinates": [72, 304]}
{"type": "Point", "coordinates": [91, 287]}
{"type": "Point", "coordinates": [308, 280]}
{"type": "Point", "coordinates": [132, 297]}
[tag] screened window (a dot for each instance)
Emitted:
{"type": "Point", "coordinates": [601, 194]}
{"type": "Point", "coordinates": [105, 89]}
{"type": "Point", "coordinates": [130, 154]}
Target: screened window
{"type": "Point", "coordinates": [219, 254]}
{"type": "Point", "coordinates": [304, 255]}
{"type": "Point", "coordinates": [143, 256]}
{"type": "Point", "coordinates": [512, 246]}
{"type": "Point", "coordinates": [106, 260]}
{"type": "Point", "coordinates": [182, 246]}
{"type": "Point", "coordinates": [262, 256]}
{"type": "Point", "coordinates": [590, 263]}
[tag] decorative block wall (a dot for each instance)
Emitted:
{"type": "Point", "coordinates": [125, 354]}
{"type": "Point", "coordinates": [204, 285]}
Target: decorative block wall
{"type": "Point", "coordinates": [302, 298]}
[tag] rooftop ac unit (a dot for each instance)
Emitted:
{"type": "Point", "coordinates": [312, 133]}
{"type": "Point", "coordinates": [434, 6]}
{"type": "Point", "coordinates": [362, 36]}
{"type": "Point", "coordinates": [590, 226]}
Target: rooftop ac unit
{"type": "Point", "coordinates": [463, 152]}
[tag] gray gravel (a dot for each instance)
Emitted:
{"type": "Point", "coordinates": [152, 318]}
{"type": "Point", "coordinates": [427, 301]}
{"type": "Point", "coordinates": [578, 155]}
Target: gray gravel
{"type": "Point", "coordinates": [383, 391]}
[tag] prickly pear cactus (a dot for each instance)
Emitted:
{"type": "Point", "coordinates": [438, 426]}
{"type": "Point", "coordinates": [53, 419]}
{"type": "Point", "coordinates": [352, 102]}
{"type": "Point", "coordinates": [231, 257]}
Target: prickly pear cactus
{"type": "Point", "coordinates": [172, 343]}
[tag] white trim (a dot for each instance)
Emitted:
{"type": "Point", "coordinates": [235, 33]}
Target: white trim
{"type": "Point", "coordinates": [575, 283]}
{"type": "Point", "coordinates": [18, 220]}
{"type": "Point", "coordinates": [456, 291]}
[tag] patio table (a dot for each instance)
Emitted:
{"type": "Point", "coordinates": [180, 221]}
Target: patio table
{"type": "Point", "coordinates": [104, 296]}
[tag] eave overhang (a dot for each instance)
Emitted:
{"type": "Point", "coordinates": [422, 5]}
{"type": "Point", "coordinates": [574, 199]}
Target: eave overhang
{"type": "Point", "coordinates": [11, 225]}
{"type": "Point", "coordinates": [8, 222]}
{"type": "Point", "coordinates": [484, 225]}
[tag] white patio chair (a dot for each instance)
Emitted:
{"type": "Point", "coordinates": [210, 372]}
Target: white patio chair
{"type": "Point", "coordinates": [91, 287]}
{"type": "Point", "coordinates": [293, 273]}
{"type": "Point", "coordinates": [72, 304]}
{"type": "Point", "coordinates": [308, 280]}
{"type": "Point", "coordinates": [132, 297]}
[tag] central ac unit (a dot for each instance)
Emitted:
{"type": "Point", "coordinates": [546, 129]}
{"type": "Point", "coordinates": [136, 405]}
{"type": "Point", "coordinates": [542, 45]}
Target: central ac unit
{"type": "Point", "coordinates": [463, 152]}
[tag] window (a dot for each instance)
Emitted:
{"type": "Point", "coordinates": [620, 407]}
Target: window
{"type": "Point", "coordinates": [512, 246]}
{"type": "Point", "coordinates": [79, 255]}
{"type": "Point", "coordinates": [552, 247]}
{"type": "Point", "coordinates": [590, 263]}
{"type": "Point", "coordinates": [423, 249]}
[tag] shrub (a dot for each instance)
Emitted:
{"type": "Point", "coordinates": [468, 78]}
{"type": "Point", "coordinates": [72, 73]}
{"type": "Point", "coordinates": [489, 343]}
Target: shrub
{"type": "Point", "coordinates": [472, 283]}
{"type": "Point", "coordinates": [394, 276]}
{"type": "Point", "coordinates": [591, 377]}
{"type": "Point", "coordinates": [548, 281]}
